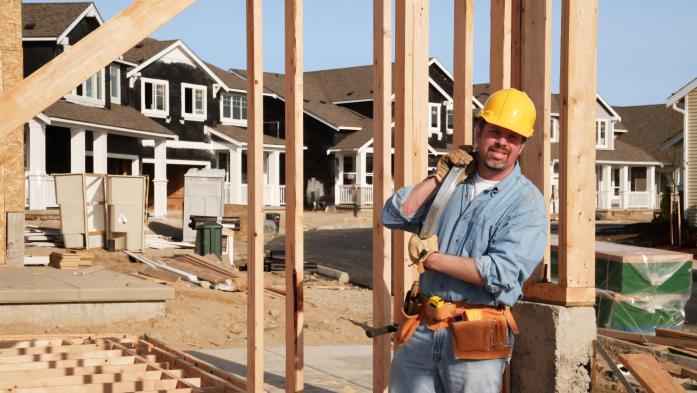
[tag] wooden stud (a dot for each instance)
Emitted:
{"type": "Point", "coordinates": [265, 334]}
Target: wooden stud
{"type": "Point", "coordinates": [255, 198]}
{"type": "Point", "coordinates": [516, 43]}
{"type": "Point", "coordinates": [577, 143]}
{"type": "Point", "coordinates": [10, 378]}
{"type": "Point", "coordinates": [535, 61]}
{"type": "Point", "coordinates": [500, 46]}
{"type": "Point", "coordinates": [463, 60]}
{"type": "Point", "coordinates": [382, 146]}
{"type": "Point", "coordinates": [56, 78]}
{"type": "Point", "coordinates": [553, 293]}
{"type": "Point", "coordinates": [652, 377]}
{"type": "Point", "coordinates": [294, 195]}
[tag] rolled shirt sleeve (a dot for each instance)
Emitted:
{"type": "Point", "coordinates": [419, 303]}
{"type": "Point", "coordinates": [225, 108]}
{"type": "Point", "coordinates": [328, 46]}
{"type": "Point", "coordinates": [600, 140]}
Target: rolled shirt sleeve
{"type": "Point", "coordinates": [515, 250]}
{"type": "Point", "coordinates": [393, 218]}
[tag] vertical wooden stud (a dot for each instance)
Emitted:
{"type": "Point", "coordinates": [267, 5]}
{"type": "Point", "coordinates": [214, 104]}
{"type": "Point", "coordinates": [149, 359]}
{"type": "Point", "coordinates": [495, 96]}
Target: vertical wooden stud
{"type": "Point", "coordinates": [500, 46]}
{"type": "Point", "coordinates": [411, 138]}
{"type": "Point", "coordinates": [577, 143]}
{"type": "Point", "coordinates": [516, 42]}
{"type": "Point", "coordinates": [535, 80]}
{"type": "Point", "coordinates": [382, 144]}
{"type": "Point", "coordinates": [255, 200]}
{"type": "Point", "coordinates": [294, 195]}
{"type": "Point", "coordinates": [463, 65]}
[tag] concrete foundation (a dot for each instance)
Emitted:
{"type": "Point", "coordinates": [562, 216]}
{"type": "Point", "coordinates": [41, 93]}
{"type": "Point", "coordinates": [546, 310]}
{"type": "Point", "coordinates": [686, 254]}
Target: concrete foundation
{"type": "Point", "coordinates": [80, 314]}
{"type": "Point", "coordinates": [554, 349]}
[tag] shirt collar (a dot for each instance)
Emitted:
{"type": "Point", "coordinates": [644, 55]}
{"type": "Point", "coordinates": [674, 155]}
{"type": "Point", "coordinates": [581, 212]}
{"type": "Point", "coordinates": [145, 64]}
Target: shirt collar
{"type": "Point", "coordinates": [506, 181]}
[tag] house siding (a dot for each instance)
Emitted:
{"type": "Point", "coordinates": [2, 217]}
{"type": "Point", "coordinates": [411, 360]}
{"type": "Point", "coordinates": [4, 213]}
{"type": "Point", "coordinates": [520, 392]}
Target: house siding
{"type": "Point", "coordinates": [691, 158]}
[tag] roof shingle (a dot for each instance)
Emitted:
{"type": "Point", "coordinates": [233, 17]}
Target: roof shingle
{"type": "Point", "coordinates": [49, 19]}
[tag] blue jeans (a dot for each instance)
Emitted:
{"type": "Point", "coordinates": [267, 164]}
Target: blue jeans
{"type": "Point", "coordinates": [425, 364]}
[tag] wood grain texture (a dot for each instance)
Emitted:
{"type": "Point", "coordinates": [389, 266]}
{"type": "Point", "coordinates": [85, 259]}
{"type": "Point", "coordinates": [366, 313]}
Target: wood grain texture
{"type": "Point", "coordinates": [382, 181]}
{"type": "Point", "coordinates": [20, 103]}
{"type": "Point", "coordinates": [535, 79]}
{"type": "Point", "coordinates": [553, 293]}
{"type": "Point", "coordinates": [463, 63]}
{"type": "Point", "coordinates": [652, 377]}
{"type": "Point", "coordinates": [577, 143]}
{"type": "Point", "coordinates": [500, 45]}
{"type": "Point", "coordinates": [294, 195]}
{"type": "Point", "coordinates": [255, 198]}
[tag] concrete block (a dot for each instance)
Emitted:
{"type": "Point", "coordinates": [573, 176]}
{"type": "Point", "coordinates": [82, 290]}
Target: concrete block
{"type": "Point", "coordinates": [554, 349]}
{"type": "Point", "coordinates": [338, 275]}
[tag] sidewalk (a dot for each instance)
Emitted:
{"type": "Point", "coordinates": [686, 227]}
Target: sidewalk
{"type": "Point", "coordinates": [336, 368]}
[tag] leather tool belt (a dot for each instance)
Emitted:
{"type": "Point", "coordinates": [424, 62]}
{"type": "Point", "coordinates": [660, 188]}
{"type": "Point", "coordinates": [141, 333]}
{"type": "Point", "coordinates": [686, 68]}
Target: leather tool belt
{"type": "Point", "coordinates": [478, 331]}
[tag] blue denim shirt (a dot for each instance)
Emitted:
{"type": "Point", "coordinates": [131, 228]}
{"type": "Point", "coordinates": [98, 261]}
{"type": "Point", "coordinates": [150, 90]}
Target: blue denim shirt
{"type": "Point", "coordinates": [504, 229]}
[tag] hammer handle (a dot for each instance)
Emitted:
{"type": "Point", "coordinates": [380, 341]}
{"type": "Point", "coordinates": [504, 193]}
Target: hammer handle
{"type": "Point", "coordinates": [379, 331]}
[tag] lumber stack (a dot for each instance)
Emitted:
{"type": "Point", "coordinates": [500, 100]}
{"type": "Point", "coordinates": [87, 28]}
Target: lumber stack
{"type": "Point", "coordinates": [105, 363]}
{"type": "Point", "coordinates": [275, 261]}
{"type": "Point", "coordinates": [208, 270]}
{"type": "Point", "coordinates": [658, 363]}
{"type": "Point", "coordinates": [70, 259]}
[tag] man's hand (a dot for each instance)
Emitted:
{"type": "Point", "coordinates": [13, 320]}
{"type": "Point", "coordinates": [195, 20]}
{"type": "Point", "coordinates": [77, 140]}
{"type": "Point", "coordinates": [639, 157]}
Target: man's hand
{"type": "Point", "coordinates": [419, 248]}
{"type": "Point", "coordinates": [458, 157]}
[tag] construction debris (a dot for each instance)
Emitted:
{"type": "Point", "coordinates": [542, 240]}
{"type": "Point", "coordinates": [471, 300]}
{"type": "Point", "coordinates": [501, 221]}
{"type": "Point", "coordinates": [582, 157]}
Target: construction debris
{"type": "Point", "coordinates": [70, 259]}
{"type": "Point", "coordinates": [275, 261]}
{"type": "Point", "coordinates": [42, 237]}
{"type": "Point", "coordinates": [105, 363]}
{"type": "Point", "coordinates": [36, 260]}
{"type": "Point", "coordinates": [160, 242]}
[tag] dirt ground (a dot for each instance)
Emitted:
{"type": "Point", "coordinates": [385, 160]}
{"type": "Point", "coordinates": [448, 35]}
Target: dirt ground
{"type": "Point", "coordinates": [207, 318]}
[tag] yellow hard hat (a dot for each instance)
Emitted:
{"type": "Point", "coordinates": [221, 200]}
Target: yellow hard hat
{"type": "Point", "coordinates": [511, 109]}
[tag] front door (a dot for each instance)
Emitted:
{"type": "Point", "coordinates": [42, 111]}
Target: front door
{"type": "Point", "coordinates": [615, 188]}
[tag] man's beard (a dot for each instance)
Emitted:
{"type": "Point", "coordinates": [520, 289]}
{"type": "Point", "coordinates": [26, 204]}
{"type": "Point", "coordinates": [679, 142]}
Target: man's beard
{"type": "Point", "coordinates": [497, 165]}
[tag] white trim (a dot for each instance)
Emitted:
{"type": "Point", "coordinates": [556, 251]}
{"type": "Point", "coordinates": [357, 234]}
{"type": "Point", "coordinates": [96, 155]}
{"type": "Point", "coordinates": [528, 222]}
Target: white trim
{"type": "Point", "coordinates": [189, 52]}
{"type": "Point", "coordinates": [351, 101]}
{"type": "Point", "coordinates": [441, 66]}
{"type": "Point", "coordinates": [673, 140]}
{"type": "Point", "coordinates": [170, 161]}
{"type": "Point", "coordinates": [122, 61]}
{"type": "Point", "coordinates": [57, 121]}
{"type": "Point", "coordinates": [231, 120]}
{"type": "Point", "coordinates": [90, 11]}
{"type": "Point", "coordinates": [440, 89]}
{"type": "Point", "coordinates": [243, 145]}
{"type": "Point", "coordinates": [554, 129]}
{"type": "Point", "coordinates": [435, 152]}
{"type": "Point", "coordinates": [449, 107]}
{"type": "Point", "coordinates": [43, 118]}
{"type": "Point", "coordinates": [682, 92]}
{"type": "Point", "coordinates": [608, 107]}
{"type": "Point", "coordinates": [343, 128]}
{"type": "Point", "coordinates": [194, 116]}
{"type": "Point", "coordinates": [119, 156]}
{"type": "Point", "coordinates": [606, 145]}
{"type": "Point", "coordinates": [40, 39]}
{"type": "Point", "coordinates": [115, 99]}
{"type": "Point", "coordinates": [164, 113]}
{"type": "Point", "coordinates": [629, 163]}
{"type": "Point", "coordinates": [87, 100]}
{"type": "Point", "coordinates": [434, 129]}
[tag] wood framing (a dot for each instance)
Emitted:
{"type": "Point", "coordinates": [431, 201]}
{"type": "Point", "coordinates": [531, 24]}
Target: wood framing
{"type": "Point", "coordinates": [411, 128]}
{"type": "Point", "coordinates": [535, 65]}
{"type": "Point", "coordinates": [382, 181]}
{"type": "Point", "coordinates": [463, 64]}
{"type": "Point", "coordinates": [577, 143]}
{"type": "Point", "coordinates": [500, 47]}
{"type": "Point", "coordinates": [255, 199]}
{"type": "Point", "coordinates": [294, 195]}
{"type": "Point", "coordinates": [516, 42]}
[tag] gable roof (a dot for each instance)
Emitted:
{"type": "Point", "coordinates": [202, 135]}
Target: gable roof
{"type": "Point", "coordinates": [649, 126]}
{"type": "Point", "coordinates": [146, 49]}
{"type": "Point", "coordinates": [54, 20]}
{"type": "Point", "coordinates": [118, 117]}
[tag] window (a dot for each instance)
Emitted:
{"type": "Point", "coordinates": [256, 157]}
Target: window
{"type": "Point", "coordinates": [233, 108]}
{"type": "Point", "coordinates": [449, 120]}
{"type": "Point", "coordinates": [601, 133]}
{"type": "Point", "coordinates": [434, 116]}
{"type": "Point", "coordinates": [154, 97]}
{"type": "Point", "coordinates": [369, 168]}
{"type": "Point", "coordinates": [223, 157]}
{"type": "Point", "coordinates": [193, 102]}
{"type": "Point", "coordinates": [349, 170]}
{"type": "Point", "coordinates": [115, 83]}
{"type": "Point", "coordinates": [637, 178]}
{"type": "Point", "coordinates": [554, 129]}
{"type": "Point", "coordinates": [90, 91]}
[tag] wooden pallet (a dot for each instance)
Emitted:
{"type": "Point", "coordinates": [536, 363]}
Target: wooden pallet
{"type": "Point", "coordinates": [105, 363]}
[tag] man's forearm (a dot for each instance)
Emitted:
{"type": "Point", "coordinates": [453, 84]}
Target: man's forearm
{"type": "Point", "coordinates": [421, 193]}
{"type": "Point", "coordinates": [462, 268]}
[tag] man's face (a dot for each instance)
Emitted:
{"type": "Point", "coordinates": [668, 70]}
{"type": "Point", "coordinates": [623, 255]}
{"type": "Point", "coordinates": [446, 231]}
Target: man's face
{"type": "Point", "coordinates": [499, 148]}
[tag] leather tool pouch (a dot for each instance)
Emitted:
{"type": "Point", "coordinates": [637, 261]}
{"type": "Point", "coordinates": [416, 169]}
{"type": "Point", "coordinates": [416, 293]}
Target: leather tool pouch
{"type": "Point", "coordinates": [406, 328]}
{"type": "Point", "coordinates": [486, 338]}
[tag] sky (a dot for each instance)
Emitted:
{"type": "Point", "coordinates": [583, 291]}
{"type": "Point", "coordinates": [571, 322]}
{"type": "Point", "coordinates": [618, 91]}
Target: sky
{"type": "Point", "coordinates": [645, 49]}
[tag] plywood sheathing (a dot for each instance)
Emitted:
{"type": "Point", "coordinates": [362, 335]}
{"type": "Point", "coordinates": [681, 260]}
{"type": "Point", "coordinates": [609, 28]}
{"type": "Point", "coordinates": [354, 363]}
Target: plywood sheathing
{"type": "Point", "coordinates": [382, 147]}
{"type": "Point", "coordinates": [12, 148]}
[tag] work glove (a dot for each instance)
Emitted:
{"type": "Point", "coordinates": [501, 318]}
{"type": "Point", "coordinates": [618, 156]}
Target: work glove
{"type": "Point", "coordinates": [461, 156]}
{"type": "Point", "coordinates": [420, 248]}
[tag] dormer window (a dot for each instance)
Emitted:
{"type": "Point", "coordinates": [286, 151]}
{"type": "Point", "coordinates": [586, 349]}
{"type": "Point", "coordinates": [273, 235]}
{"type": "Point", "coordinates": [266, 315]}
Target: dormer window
{"type": "Point", "coordinates": [193, 102]}
{"type": "Point", "coordinates": [601, 131]}
{"type": "Point", "coordinates": [115, 83]}
{"type": "Point", "coordinates": [154, 95]}
{"type": "Point", "coordinates": [90, 92]}
{"type": "Point", "coordinates": [233, 109]}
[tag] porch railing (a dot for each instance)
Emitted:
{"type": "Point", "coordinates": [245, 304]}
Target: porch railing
{"type": "Point", "coordinates": [348, 194]}
{"type": "Point", "coordinates": [639, 199]}
{"type": "Point", "coordinates": [44, 186]}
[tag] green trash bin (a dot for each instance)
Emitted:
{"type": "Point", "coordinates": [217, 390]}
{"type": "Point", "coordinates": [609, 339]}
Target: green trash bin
{"type": "Point", "coordinates": [209, 239]}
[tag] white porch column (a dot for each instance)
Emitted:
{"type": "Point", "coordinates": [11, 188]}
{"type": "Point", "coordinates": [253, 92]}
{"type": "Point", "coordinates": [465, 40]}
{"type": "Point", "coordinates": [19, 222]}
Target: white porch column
{"type": "Point", "coordinates": [235, 168]}
{"type": "Point", "coordinates": [624, 187]}
{"type": "Point", "coordinates": [651, 186]}
{"type": "Point", "coordinates": [274, 177]}
{"type": "Point", "coordinates": [37, 165]}
{"type": "Point", "coordinates": [360, 176]}
{"type": "Point", "coordinates": [77, 150]}
{"type": "Point", "coordinates": [339, 178]}
{"type": "Point", "coordinates": [607, 187]}
{"type": "Point", "coordinates": [135, 167]}
{"type": "Point", "coordinates": [160, 180]}
{"type": "Point", "coordinates": [99, 152]}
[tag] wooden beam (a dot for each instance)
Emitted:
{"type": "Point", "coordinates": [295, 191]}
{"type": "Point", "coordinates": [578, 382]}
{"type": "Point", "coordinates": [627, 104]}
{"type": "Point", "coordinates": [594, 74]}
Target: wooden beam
{"type": "Point", "coordinates": [577, 143]}
{"type": "Point", "coordinates": [97, 378]}
{"type": "Point", "coordinates": [463, 60]}
{"type": "Point", "coordinates": [535, 79]}
{"type": "Point", "coordinates": [255, 198]}
{"type": "Point", "coordinates": [516, 43]}
{"type": "Point", "coordinates": [294, 195]}
{"type": "Point", "coordinates": [553, 293]}
{"type": "Point", "coordinates": [382, 181]}
{"type": "Point", "coordinates": [36, 365]}
{"type": "Point", "coordinates": [9, 378]}
{"type": "Point", "coordinates": [500, 46]}
{"type": "Point", "coordinates": [652, 377]}
{"type": "Point", "coordinates": [22, 102]}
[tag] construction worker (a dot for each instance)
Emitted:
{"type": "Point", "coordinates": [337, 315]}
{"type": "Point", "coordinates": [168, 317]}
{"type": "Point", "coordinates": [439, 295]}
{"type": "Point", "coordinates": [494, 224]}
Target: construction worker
{"type": "Point", "coordinates": [489, 239]}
